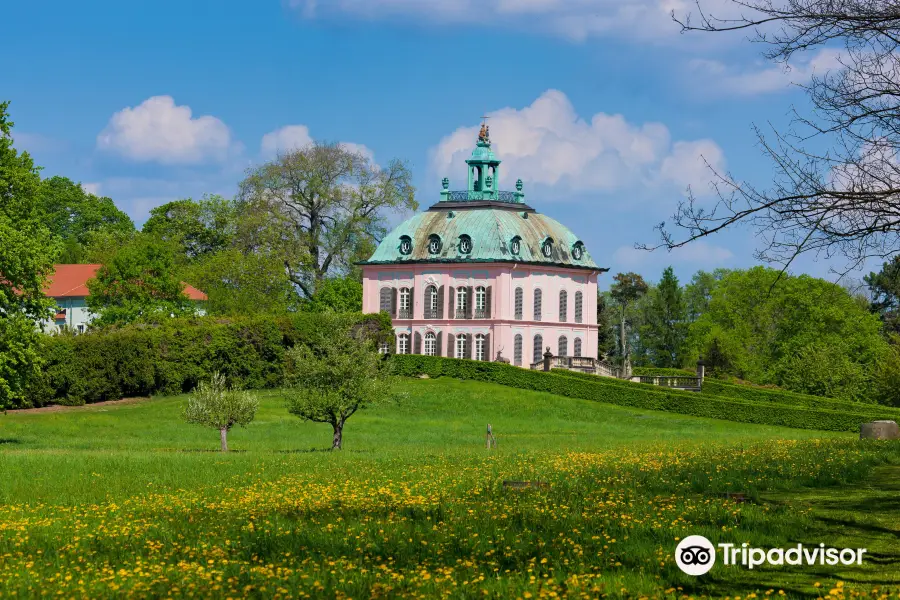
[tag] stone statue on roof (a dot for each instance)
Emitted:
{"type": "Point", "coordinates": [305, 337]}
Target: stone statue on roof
{"type": "Point", "coordinates": [485, 133]}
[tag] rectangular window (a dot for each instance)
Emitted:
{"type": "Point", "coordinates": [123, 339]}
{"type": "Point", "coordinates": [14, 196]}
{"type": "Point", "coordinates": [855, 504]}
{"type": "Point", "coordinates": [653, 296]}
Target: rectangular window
{"type": "Point", "coordinates": [403, 344]}
{"type": "Point", "coordinates": [462, 302]}
{"type": "Point", "coordinates": [519, 301]}
{"type": "Point", "coordinates": [405, 304]}
{"type": "Point", "coordinates": [461, 346]}
{"type": "Point", "coordinates": [479, 347]}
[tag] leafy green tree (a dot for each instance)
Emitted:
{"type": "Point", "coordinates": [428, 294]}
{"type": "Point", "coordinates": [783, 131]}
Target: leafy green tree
{"type": "Point", "coordinates": [74, 215]}
{"type": "Point", "coordinates": [335, 373]}
{"type": "Point", "coordinates": [197, 228]}
{"type": "Point", "coordinates": [221, 407]}
{"type": "Point", "coordinates": [806, 334]}
{"type": "Point", "coordinates": [698, 292]}
{"type": "Point", "coordinates": [320, 209]}
{"type": "Point", "coordinates": [139, 283]}
{"type": "Point", "coordinates": [887, 374]}
{"type": "Point", "coordinates": [27, 253]}
{"type": "Point", "coordinates": [239, 283]}
{"type": "Point", "coordinates": [884, 288]}
{"type": "Point", "coordinates": [606, 335]}
{"type": "Point", "coordinates": [664, 330]}
{"type": "Point", "coordinates": [625, 293]}
{"type": "Point", "coordinates": [338, 294]}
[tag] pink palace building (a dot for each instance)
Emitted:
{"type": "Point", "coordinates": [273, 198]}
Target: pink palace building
{"type": "Point", "coordinates": [482, 275]}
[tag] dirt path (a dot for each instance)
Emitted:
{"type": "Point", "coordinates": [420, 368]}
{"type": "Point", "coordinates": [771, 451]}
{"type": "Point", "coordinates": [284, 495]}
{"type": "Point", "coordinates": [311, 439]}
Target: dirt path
{"type": "Point", "coordinates": [60, 408]}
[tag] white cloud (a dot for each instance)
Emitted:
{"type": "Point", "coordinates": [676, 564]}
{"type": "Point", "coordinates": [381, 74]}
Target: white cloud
{"type": "Point", "coordinates": [361, 149]}
{"type": "Point", "coordinates": [159, 130]}
{"type": "Point", "coordinates": [547, 143]}
{"type": "Point", "coordinates": [698, 254]}
{"type": "Point", "coordinates": [726, 79]}
{"type": "Point", "coordinates": [289, 137]}
{"type": "Point", "coordinates": [91, 188]}
{"type": "Point", "coordinates": [577, 20]}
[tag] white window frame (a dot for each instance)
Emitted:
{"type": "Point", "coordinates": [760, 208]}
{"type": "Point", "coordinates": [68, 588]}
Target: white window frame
{"type": "Point", "coordinates": [404, 303]}
{"type": "Point", "coordinates": [460, 350]}
{"type": "Point", "coordinates": [403, 343]}
{"type": "Point", "coordinates": [462, 299]}
{"type": "Point", "coordinates": [480, 299]}
{"type": "Point", "coordinates": [430, 344]}
{"type": "Point", "coordinates": [480, 347]}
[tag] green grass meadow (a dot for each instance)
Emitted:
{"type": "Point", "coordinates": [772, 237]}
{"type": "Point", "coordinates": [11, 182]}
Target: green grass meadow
{"type": "Point", "coordinates": [125, 500]}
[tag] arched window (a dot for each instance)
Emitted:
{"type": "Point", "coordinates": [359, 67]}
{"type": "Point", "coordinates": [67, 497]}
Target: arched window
{"type": "Point", "coordinates": [563, 346]}
{"type": "Point", "coordinates": [431, 302]}
{"type": "Point", "coordinates": [519, 301]}
{"type": "Point", "coordinates": [577, 250]}
{"type": "Point", "coordinates": [403, 343]}
{"type": "Point", "coordinates": [462, 303]}
{"type": "Point", "coordinates": [430, 344]}
{"type": "Point", "coordinates": [517, 350]}
{"type": "Point", "coordinates": [405, 304]}
{"type": "Point", "coordinates": [579, 302]}
{"type": "Point", "coordinates": [383, 348]}
{"type": "Point", "coordinates": [465, 244]}
{"type": "Point", "coordinates": [434, 244]}
{"type": "Point", "coordinates": [563, 305]}
{"type": "Point", "coordinates": [481, 347]}
{"type": "Point", "coordinates": [461, 349]}
{"type": "Point", "coordinates": [405, 245]}
{"type": "Point", "coordinates": [480, 302]}
{"type": "Point", "coordinates": [547, 248]}
{"type": "Point", "coordinates": [385, 300]}
{"type": "Point", "coordinates": [537, 305]}
{"type": "Point", "coordinates": [515, 246]}
{"type": "Point", "coordinates": [538, 348]}
{"type": "Point", "coordinates": [577, 346]}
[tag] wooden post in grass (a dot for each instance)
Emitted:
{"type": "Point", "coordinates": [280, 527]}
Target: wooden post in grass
{"type": "Point", "coordinates": [491, 442]}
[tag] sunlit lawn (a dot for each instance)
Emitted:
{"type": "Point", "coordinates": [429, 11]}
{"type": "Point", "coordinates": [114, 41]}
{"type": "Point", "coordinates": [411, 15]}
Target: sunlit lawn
{"type": "Point", "coordinates": [125, 500]}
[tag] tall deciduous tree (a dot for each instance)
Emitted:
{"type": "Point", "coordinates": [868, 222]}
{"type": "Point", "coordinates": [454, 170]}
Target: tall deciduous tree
{"type": "Point", "coordinates": [76, 216]}
{"type": "Point", "coordinates": [197, 228]}
{"type": "Point", "coordinates": [335, 373]}
{"type": "Point", "coordinates": [139, 283]}
{"type": "Point", "coordinates": [836, 188]}
{"type": "Point", "coordinates": [320, 209]}
{"type": "Point", "coordinates": [27, 253]}
{"type": "Point", "coordinates": [664, 330]}
{"type": "Point", "coordinates": [625, 292]}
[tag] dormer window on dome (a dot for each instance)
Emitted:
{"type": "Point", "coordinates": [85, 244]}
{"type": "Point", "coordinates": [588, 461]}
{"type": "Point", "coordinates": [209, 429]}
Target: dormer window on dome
{"type": "Point", "coordinates": [578, 250]}
{"type": "Point", "coordinates": [405, 245]}
{"type": "Point", "coordinates": [434, 244]}
{"type": "Point", "coordinates": [515, 245]}
{"type": "Point", "coordinates": [547, 248]}
{"type": "Point", "coordinates": [465, 244]}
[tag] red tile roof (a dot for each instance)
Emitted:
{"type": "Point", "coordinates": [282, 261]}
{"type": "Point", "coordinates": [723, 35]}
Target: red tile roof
{"type": "Point", "coordinates": [70, 281]}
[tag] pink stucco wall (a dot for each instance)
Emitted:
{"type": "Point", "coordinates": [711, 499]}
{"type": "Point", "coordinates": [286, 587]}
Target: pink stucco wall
{"type": "Point", "coordinates": [502, 326]}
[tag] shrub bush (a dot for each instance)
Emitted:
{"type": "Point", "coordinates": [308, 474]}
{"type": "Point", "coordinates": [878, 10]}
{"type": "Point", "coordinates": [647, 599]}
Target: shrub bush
{"type": "Point", "coordinates": [611, 391]}
{"type": "Point", "coordinates": [141, 360]}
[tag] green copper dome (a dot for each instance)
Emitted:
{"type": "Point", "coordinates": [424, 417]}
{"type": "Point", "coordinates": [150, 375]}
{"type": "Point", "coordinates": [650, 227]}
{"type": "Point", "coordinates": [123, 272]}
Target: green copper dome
{"type": "Point", "coordinates": [483, 224]}
{"type": "Point", "coordinates": [491, 230]}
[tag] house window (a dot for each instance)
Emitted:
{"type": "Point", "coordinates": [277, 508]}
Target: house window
{"type": "Point", "coordinates": [403, 343]}
{"type": "Point", "coordinates": [577, 250]}
{"type": "Point", "coordinates": [461, 341]}
{"type": "Point", "coordinates": [434, 244]}
{"type": "Point", "coordinates": [515, 246]}
{"type": "Point", "coordinates": [430, 344]}
{"type": "Point", "coordinates": [563, 305]}
{"type": "Point", "coordinates": [480, 347]}
{"type": "Point", "coordinates": [465, 244]}
{"type": "Point", "coordinates": [81, 328]}
{"type": "Point", "coordinates": [577, 346]}
{"type": "Point", "coordinates": [538, 348]}
{"type": "Point", "coordinates": [563, 346]}
{"type": "Point", "coordinates": [431, 302]}
{"type": "Point", "coordinates": [462, 303]}
{"type": "Point", "coordinates": [519, 301]}
{"type": "Point", "coordinates": [537, 305]}
{"type": "Point", "coordinates": [405, 245]}
{"type": "Point", "coordinates": [547, 248]}
{"type": "Point", "coordinates": [405, 304]}
{"type": "Point", "coordinates": [517, 350]}
{"type": "Point", "coordinates": [383, 348]}
{"type": "Point", "coordinates": [480, 303]}
{"type": "Point", "coordinates": [385, 300]}
{"type": "Point", "coordinates": [578, 306]}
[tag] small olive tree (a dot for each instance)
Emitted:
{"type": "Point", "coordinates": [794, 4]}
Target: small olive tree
{"type": "Point", "coordinates": [336, 373]}
{"type": "Point", "coordinates": [216, 405]}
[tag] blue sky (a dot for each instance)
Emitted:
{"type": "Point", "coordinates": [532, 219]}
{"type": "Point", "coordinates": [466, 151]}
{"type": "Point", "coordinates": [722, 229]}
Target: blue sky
{"type": "Point", "coordinates": [602, 107]}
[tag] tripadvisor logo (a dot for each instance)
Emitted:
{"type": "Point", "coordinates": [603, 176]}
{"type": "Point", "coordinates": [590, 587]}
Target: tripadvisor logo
{"type": "Point", "coordinates": [696, 555]}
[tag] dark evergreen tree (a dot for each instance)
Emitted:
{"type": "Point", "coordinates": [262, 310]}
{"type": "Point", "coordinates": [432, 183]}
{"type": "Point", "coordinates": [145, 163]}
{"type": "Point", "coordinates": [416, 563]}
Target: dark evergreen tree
{"type": "Point", "coordinates": [664, 330]}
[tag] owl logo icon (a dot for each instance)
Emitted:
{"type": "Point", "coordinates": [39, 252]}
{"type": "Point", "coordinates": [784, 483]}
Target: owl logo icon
{"type": "Point", "coordinates": [695, 555]}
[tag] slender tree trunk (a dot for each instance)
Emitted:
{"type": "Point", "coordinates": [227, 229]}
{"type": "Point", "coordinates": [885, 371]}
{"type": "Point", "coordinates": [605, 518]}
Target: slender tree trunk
{"type": "Point", "coordinates": [338, 435]}
{"type": "Point", "coordinates": [224, 434]}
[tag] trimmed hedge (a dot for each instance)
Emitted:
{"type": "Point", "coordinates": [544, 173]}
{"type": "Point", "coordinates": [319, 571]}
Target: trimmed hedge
{"type": "Point", "coordinates": [171, 358]}
{"type": "Point", "coordinates": [630, 394]}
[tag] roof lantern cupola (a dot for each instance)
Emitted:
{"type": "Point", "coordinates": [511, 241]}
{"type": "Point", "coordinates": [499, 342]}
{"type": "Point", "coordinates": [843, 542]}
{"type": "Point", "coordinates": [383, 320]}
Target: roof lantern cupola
{"type": "Point", "coordinates": [483, 175]}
